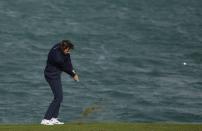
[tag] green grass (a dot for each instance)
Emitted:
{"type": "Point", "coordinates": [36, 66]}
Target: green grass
{"type": "Point", "coordinates": [105, 127]}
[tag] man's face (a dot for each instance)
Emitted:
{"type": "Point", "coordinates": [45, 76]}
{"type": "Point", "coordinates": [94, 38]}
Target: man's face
{"type": "Point", "coordinates": [67, 50]}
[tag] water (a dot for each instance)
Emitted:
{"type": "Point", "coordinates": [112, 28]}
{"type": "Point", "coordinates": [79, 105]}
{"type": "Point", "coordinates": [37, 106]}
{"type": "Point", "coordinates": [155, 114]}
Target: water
{"type": "Point", "coordinates": [129, 56]}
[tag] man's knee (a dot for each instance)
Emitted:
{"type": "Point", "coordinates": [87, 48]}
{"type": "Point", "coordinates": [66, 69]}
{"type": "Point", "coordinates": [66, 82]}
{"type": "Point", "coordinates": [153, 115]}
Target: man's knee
{"type": "Point", "coordinates": [58, 99]}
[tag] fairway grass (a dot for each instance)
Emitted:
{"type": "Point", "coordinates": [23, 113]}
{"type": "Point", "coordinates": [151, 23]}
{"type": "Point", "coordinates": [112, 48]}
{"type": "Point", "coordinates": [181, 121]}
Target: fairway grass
{"type": "Point", "coordinates": [105, 127]}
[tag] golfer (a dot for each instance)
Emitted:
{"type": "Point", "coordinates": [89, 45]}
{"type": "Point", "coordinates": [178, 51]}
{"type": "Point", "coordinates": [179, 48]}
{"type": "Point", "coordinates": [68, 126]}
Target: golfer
{"type": "Point", "coordinates": [58, 61]}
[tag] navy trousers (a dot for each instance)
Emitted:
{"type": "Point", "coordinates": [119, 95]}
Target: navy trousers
{"type": "Point", "coordinates": [56, 87]}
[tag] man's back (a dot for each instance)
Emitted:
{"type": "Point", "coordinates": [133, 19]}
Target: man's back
{"type": "Point", "coordinates": [52, 67]}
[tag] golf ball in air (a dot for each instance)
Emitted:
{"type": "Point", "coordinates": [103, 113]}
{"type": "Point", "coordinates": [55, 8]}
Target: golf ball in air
{"type": "Point", "coordinates": [184, 63]}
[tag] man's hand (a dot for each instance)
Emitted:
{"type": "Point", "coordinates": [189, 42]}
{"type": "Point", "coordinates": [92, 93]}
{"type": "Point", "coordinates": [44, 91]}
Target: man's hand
{"type": "Point", "coordinates": [76, 78]}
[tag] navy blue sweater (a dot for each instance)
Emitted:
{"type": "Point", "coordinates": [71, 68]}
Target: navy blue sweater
{"type": "Point", "coordinates": [57, 63]}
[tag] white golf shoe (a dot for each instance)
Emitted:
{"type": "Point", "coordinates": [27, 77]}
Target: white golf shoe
{"type": "Point", "coordinates": [46, 122]}
{"type": "Point", "coordinates": [56, 121]}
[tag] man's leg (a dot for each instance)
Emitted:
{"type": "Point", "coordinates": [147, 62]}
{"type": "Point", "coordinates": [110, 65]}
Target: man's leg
{"type": "Point", "coordinates": [56, 88]}
{"type": "Point", "coordinates": [56, 112]}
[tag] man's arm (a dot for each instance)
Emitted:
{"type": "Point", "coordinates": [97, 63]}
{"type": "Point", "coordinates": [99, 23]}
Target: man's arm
{"type": "Point", "coordinates": [68, 68]}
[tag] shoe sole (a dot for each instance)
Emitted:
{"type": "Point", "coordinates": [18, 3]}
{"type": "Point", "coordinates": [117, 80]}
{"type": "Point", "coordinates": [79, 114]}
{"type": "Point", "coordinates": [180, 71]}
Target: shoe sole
{"type": "Point", "coordinates": [48, 124]}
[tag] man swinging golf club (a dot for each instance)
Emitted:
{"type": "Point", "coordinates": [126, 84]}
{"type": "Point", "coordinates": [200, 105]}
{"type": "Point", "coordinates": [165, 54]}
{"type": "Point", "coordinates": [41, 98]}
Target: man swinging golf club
{"type": "Point", "coordinates": [58, 61]}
